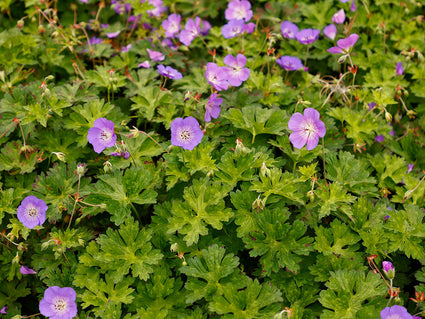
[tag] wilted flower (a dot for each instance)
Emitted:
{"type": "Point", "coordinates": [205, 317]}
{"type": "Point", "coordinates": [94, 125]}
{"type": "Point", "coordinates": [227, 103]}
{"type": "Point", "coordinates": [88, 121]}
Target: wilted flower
{"type": "Point", "coordinates": [212, 108]}
{"type": "Point", "coordinates": [238, 10]}
{"type": "Point", "coordinates": [155, 55]}
{"type": "Point", "coordinates": [24, 270]}
{"type": "Point", "coordinates": [233, 28]}
{"type": "Point", "coordinates": [399, 68]}
{"type": "Point", "coordinates": [307, 36]}
{"type": "Point", "coordinates": [186, 133]}
{"type": "Point", "coordinates": [59, 303]}
{"type": "Point", "coordinates": [102, 135]}
{"type": "Point", "coordinates": [236, 71]}
{"type": "Point", "coordinates": [217, 76]}
{"type": "Point", "coordinates": [172, 25]}
{"type": "Point", "coordinates": [395, 312]}
{"type": "Point", "coordinates": [289, 30]}
{"type": "Point", "coordinates": [32, 212]}
{"type": "Point", "coordinates": [289, 63]}
{"type": "Point", "coordinates": [169, 72]}
{"type": "Point", "coordinates": [307, 129]}
{"type": "Point", "coordinates": [330, 31]}
{"type": "Point", "coordinates": [191, 31]}
{"type": "Point", "coordinates": [339, 17]}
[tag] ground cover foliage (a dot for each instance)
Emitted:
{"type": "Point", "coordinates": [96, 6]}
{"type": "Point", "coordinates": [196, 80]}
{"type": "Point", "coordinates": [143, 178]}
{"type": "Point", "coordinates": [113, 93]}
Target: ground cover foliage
{"type": "Point", "coordinates": [243, 224]}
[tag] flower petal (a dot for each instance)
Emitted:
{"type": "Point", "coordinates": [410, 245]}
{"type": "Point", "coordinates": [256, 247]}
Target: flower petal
{"type": "Point", "coordinates": [298, 139]}
{"type": "Point", "coordinates": [296, 122]}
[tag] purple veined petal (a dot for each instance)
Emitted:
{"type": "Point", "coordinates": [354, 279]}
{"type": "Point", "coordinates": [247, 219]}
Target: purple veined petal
{"type": "Point", "coordinates": [205, 27]}
{"type": "Point", "coordinates": [336, 50]}
{"type": "Point", "coordinates": [144, 64]}
{"type": "Point", "coordinates": [296, 122]}
{"type": "Point", "coordinates": [233, 28]}
{"type": "Point", "coordinates": [244, 74]}
{"type": "Point", "coordinates": [348, 43]}
{"type": "Point", "coordinates": [395, 312]}
{"type": "Point", "coordinates": [311, 114]}
{"type": "Point", "coordinates": [155, 55]}
{"type": "Point", "coordinates": [112, 35]}
{"type": "Point", "coordinates": [234, 81]}
{"type": "Point", "coordinates": [298, 139]}
{"type": "Point", "coordinates": [230, 60]}
{"type": "Point", "coordinates": [330, 31]}
{"type": "Point", "coordinates": [240, 60]}
{"type": "Point", "coordinates": [102, 135]}
{"type": "Point", "coordinates": [312, 142]}
{"type": "Point", "coordinates": [172, 25]}
{"type": "Point", "coordinates": [307, 36]}
{"type": "Point", "coordinates": [289, 30]}
{"type": "Point", "coordinates": [24, 270]}
{"type": "Point", "coordinates": [339, 17]}
{"type": "Point", "coordinates": [289, 63]}
{"type": "Point", "coordinates": [238, 10]}
{"type": "Point", "coordinates": [249, 27]}
{"type": "Point", "coordinates": [399, 69]}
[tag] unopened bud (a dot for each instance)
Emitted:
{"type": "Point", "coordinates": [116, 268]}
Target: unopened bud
{"type": "Point", "coordinates": [388, 269]}
{"type": "Point", "coordinates": [41, 29]}
{"type": "Point", "coordinates": [184, 263]}
{"type": "Point", "coordinates": [80, 169]}
{"type": "Point", "coordinates": [16, 259]}
{"type": "Point", "coordinates": [60, 156]}
{"type": "Point", "coordinates": [103, 206]}
{"type": "Point", "coordinates": [174, 247]}
{"type": "Point", "coordinates": [342, 59]}
{"type": "Point", "coordinates": [20, 24]}
{"type": "Point", "coordinates": [26, 148]}
{"type": "Point", "coordinates": [264, 171]}
{"type": "Point", "coordinates": [310, 194]}
{"type": "Point", "coordinates": [107, 167]}
{"type": "Point", "coordinates": [388, 117]}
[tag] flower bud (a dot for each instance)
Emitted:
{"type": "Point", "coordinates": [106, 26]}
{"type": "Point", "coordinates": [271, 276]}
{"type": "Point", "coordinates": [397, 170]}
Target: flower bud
{"type": "Point", "coordinates": [41, 29]}
{"type": "Point", "coordinates": [174, 247]}
{"type": "Point", "coordinates": [264, 171]}
{"type": "Point", "coordinates": [107, 167]}
{"type": "Point", "coordinates": [80, 169]}
{"type": "Point", "coordinates": [60, 156]}
{"type": "Point", "coordinates": [20, 24]}
{"type": "Point", "coordinates": [388, 117]}
{"type": "Point", "coordinates": [388, 269]}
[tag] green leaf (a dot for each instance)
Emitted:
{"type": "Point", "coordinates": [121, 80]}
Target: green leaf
{"type": "Point", "coordinates": [280, 244]}
{"type": "Point", "coordinates": [15, 160]}
{"type": "Point", "coordinates": [245, 217]}
{"type": "Point", "coordinates": [258, 120]}
{"type": "Point", "coordinates": [128, 250]}
{"type": "Point", "coordinates": [349, 291]}
{"type": "Point", "coordinates": [120, 192]}
{"type": "Point", "coordinates": [390, 169]}
{"type": "Point", "coordinates": [334, 197]}
{"type": "Point", "coordinates": [105, 77]}
{"type": "Point", "coordinates": [149, 99]}
{"type": "Point", "coordinates": [203, 205]}
{"type": "Point", "coordinates": [208, 272]}
{"type": "Point", "coordinates": [255, 300]}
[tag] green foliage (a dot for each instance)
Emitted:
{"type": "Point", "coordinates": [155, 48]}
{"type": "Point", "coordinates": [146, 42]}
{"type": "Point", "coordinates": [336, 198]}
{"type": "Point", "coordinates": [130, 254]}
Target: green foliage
{"type": "Point", "coordinates": [334, 198]}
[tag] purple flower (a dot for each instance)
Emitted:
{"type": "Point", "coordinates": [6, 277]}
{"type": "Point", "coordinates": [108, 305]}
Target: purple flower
{"type": "Point", "coordinates": [126, 48]}
{"type": "Point", "coordinates": [289, 63]}
{"type": "Point", "coordinates": [144, 64]}
{"type": "Point", "coordinates": [399, 69]}
{"type": "Point", "coordinates": [307, 36]}
{"type": "Point", "coordinates": [155, 55]}
{"type": "Point", "coordinates": [249, 27]}
{"type": "Point", "coordinates": [166, 42]}
{"type": "Point", "coordinates": [84, 1]}
{"type": "Point", "coordinates": [3, 310]}
{"type": "Point", "coordinates": [410, 167]}
{"type": "Point", "coordinates": [353, 6]}
{"type": "Point", "coordinates": [339, 17]}
{"type": "Point", "coordinates": [24, 270]}
{"type": "Point", "coordinates": [330, 31]}
{"type": "Point", "coordinates": [212, 109]}
{"type": "Point", "coordinates": [206, 26]}
{"type": "Point", "coordinates": [233, 28]}
{"type": "Point", "coordinates": [387, 266]}
{"type": "Point", "coordinates": [236, 72]}
{"type": "Point", "coordinates": [395, 312]}
{"type": "Point", "coordinates": [59, 303]}
{"type": "Point", "coordinates": [159, 8]}
{"type": "Point", "coordinates": [344, 46]}
{"type": "Point", "coordinates": [380, 138]}
{"type": "Point", "coordinates": [169, 72]}
{"type": "Point", "coordinates": [120, 7]}
{"type": "Point", "coordinates": [191, 31]}
{"type": "Point", "coordinates": [289, 30]}
{"type": "Point", "coordinates": [32, 212]}
{"type": "Point", "coordinates": [386, 217]}
{"type": "Point", "coordinates": [186, 133]}
{"type": "Point", "coordinates": [307, 129]}
{"type": "Point", "coordinates": [101, 135]}
{"type": "Point", "coordinates": [238, 10]}
{"type": "Point", "coordinates": [371, 105]}
{"type": "Point", "coordinates": [172, 25]}
{"type": "Point", "coordinates": [217, 76]}
{"type": "Point", "coordinates": [94, 40]}
{"type": "Point", "coordinates": [112, 35]}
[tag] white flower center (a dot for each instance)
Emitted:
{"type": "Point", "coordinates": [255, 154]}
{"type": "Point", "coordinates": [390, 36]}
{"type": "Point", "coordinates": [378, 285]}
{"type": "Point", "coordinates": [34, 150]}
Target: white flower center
{"type": "Point", "coordinates": [105, 135]}
{"type": "Point", "coordinates": [240, 14]}
{"type": "Point", "coordinates": [60, 305]}
{"type": "Point", "coordinates": [32, 212]}
{"type": "Point", "coordinates": [309, 129]}
{"type": "Point", "coordinates": [185, 135]}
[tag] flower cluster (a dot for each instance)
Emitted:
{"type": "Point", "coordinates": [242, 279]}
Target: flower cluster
{"type": "Point", "coordinates": [238, 13]}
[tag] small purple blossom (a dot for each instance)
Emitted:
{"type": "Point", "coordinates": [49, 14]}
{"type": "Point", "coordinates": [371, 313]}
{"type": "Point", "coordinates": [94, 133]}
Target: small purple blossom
{"type": "Point", "coordinates": [306, 129]}
{"type": "Point", "coordinates": [120, 153]}
{"type": "Point", "coordinates": [330, 31]}
{"type": "Point", "coordinates": [159, 8]}
{"type": "Point", "coordinates": [169, 72]}
{"type": "Point", "coordinates": [172, 25]}
{"type": "Point", "coordinates": [3, 310]}
{"type": "Point", "coordinates": [32, 212]}
{"type": "Point", "coordinates": [102, 135]}
{"type": "Point", "coordinates": [236, 71]}
{"type": "Point", "coordinates": [126, 48]}
{"type": "Point", "coordinates": [395, 312]}
{"type": "Point", "coordinates": [307, 36]}
{"type": "Point", "coordinates": [289, 30]}
{"type": "Point", "coordinates": [191, 30]}
{"type": "Point", "coordinates": [59, 303]}
{"type": "Point", "coordinates": [212, 108]}
{"type": "Point", "coordinates": [289, 63]}
{"type": "Point", "coordinates": [217, 76]}
{"type": "Point", "coordinates": [84, 1]}
{"type": "Point", "coordinates": [249, 27]}
{"type": "Point", "coordinates": [371, 105]}
{"type": "Point", "coordinates": [186, 133]}
{"type": "Point", "coordinates": [386, 217]}
{"type": "Point", "coordinates": [205, 27]}
{"type": "Point", "coordinates": [339, 17]}
{"type": "Point", "coordinates": [387, 266]}
{"type": "Point", "coordinates": [112, 35]}
{"type": "Point", "coordinates": [144, 64]}
{"type": "Point", "coordinates": [410, 167]}
{"type": "Point", "coordinates": [24, 270]}
{"type": "Point", "coordinates": [380, 138]}
{"type": "Point", "coordinates": [353, 6]}
{"type": "Point", "coordinates": [344, 46]}
{"type": "Point", "coordinates": [166, 42]}
{"type": "Point", "coordinates": [155, 55]}
{"type": "Point", "coordinates": [233, 28]}
{"type": "Point", "coordinates": [238, 10]}
{"type": "Point", "coordinates": [120, 7]}
{"type": "Point", "coordinates": [399, 69]}
{"type": "Point", "coordinates": [94, 40]}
